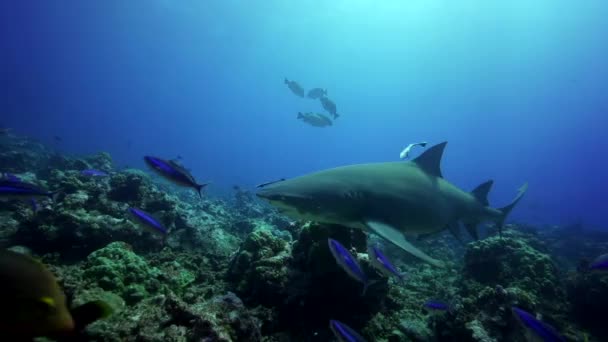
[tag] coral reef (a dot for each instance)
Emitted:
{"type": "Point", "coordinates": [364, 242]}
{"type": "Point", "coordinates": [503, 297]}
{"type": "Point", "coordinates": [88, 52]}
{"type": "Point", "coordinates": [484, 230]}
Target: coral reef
{"type": "Point", "coordinates": [234, 269]}
{"type": "Point", "coordinates": [499, 272]}
{"type": "Point", "coordinates": [588, 293]}
{"type": "Point", "coordinates": [260, 270]}
{"type": "Point", "coordinates": [303, 283]}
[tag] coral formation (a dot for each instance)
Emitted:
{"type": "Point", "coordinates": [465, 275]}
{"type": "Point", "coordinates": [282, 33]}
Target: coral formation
{"type": "Point", "coordinates": [236, 270]}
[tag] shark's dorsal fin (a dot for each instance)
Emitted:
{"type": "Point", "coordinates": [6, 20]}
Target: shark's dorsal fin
{"type": "Point", "coordinates": [430, 160]}
{"type": "Point", "coordinates": [481, 192]}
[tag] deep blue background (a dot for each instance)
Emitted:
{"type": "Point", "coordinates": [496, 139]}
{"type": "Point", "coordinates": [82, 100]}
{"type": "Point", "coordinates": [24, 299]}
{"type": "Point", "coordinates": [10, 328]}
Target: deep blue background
{"type": "Point", "coordinates": [518, 88]}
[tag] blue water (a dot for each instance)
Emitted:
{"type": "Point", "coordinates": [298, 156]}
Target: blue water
{"type": "Point", "coordinates": [518, 88]}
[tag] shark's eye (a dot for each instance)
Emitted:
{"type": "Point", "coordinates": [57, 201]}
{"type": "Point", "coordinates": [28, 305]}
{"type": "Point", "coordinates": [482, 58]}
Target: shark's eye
{"type": "Point", "coordinates": [352, 195]}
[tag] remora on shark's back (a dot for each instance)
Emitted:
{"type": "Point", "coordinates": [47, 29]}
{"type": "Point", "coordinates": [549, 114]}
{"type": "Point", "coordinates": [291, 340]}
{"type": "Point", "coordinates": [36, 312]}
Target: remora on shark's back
{"type": "Point", "coordinates": [391, 199]}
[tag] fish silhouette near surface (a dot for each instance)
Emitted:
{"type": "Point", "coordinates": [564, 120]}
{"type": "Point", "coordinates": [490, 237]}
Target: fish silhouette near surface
{"type": "Point", "coordinates": [329, 106]}
{"type": "Point", "coordinates": [316, 93]}
{"type": "Point", "coordinates": [405, 153]}
{"type": "Point", "coordinates": [315, 119]}
{"type": "Point", "coordinates": [295, 88]}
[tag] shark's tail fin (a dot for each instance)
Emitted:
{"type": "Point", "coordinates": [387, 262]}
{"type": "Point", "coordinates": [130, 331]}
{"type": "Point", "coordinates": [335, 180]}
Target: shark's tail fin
{"type": "Point", "coordinates": [507, 209]}
{"type": "Point", "coordinates": [300, 115]}
{"type": "Point", "coordinates": [199, 189]}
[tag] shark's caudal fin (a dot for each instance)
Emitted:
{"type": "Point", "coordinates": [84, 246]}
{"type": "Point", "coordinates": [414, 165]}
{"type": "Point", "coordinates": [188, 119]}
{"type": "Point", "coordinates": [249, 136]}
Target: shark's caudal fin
{"type": "Point", "coordinates": [507, 209]}
{"type": "Point", "coordinates": [430, 160]}
{"type": "Point", "coordinates": [199, 189]}
{"type": "Point", "coordinates": [393, 235]}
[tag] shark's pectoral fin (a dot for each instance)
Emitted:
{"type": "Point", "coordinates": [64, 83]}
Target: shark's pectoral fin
{"type": "Point", "coordinates": [393, 235]}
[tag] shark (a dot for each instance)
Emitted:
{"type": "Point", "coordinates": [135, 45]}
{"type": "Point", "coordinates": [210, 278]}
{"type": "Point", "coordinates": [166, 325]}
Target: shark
{"type": "Point", "coordinates": [397, 201]}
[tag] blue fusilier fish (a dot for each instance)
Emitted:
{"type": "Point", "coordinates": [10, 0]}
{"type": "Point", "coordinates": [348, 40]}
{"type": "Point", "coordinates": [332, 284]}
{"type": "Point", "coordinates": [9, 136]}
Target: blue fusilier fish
{"type": "Point", "coordinates": [34, 205]}
{"type": "Point", "coordinates": [148, 221]}
{"type": "Point", "coordinates": [344, 333]}
{"type": "Point", "coordinates": [93, 173]}
{"type": "Point", "coordinates": [10, 177]}
{"type": "Point", "coordinates": [383, 264]}
{"type": "Point", "coordinates": [174, 172]}
{"type": "Point", "coordinates": [24, 191]}
{"type": "Point", "coordinates": [348, 263]}
{"type": "Point", "coordinates": [437, 306]}
{"type": "Point", "coordinates": [600, 263]}
{"type": "Point", "coordinates": [536, 330]}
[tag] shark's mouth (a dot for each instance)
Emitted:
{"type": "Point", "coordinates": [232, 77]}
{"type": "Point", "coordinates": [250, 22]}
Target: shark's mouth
{"type": "Point", "coordinates": [269, 183]}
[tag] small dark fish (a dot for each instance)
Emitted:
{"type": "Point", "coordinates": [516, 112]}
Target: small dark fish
{"type": "Point", "coordinates": [600, 263]}
{"type": "Point", "coordinates": [93, 173]}
{"type": "Point", "coordinates": [268, 183]}
{"type": "Point", "coordinates": [179, 157]}
{"type": "Point", "coordinates": [535, 328]}
{"type": "Point", "coordinates": [34, 205]}
{"type": "Point", "coordinates": [344, 333]}
{"type": "Point", "coordinates": [438, 306]}
{"type": "Point", "coordinates": [148, 221]}
{"type": "Point", "coordinates": [295, 87]}
{"type": "Point", "coordinates": [406, 151]}
{"type": "Point", "coordinates": [21, 190]}
{"type": "Point", "coordinates": [348, 263]}
{"type": "Point", "coordinates": [5, 131]}
{"type": "Point", "coordinates": [383, 264]}
{"type": "Point", "coordinates": [174, 172]}
{"type": "Point", "coordinates": [57, 139]}
{"type": "Point", "coordinates": [315, 119]}
{"type": "Point", "coordinates": [316, 93]}
{"type": "Point", "coordinates": [583, 265]}
{"type": "Point", "coordinates": [329, 106]}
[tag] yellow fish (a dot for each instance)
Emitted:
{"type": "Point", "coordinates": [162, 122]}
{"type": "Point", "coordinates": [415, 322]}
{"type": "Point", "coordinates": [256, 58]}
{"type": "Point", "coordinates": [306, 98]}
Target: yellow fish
{"type": "Point", "coordinates": [33, 304]}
